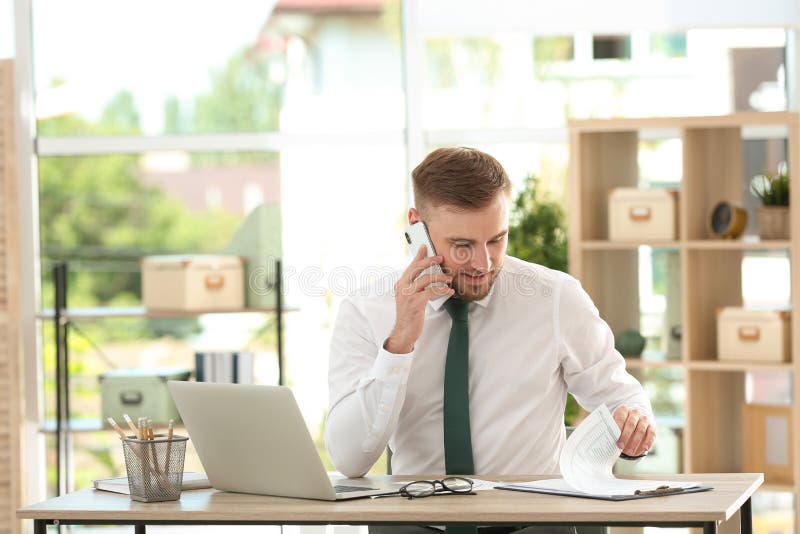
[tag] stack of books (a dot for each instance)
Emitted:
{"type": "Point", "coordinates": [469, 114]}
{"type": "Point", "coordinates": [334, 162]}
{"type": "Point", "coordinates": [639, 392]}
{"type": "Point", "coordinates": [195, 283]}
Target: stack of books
{"type": "Point", "coordinates": [224, 367]}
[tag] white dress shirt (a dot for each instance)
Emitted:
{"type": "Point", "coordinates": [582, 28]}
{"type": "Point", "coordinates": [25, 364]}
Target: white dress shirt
{"type": "Point", "coordinates": [535, 337]}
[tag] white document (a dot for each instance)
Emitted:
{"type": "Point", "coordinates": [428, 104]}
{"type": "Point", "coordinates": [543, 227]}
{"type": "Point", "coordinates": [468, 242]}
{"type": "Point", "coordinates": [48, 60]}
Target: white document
{"type": "Point", "coordinates": [120, 484]}
{"type": "Point", "coordinates": [482, 485]}
{"type": "Point", "coordinates": [587, 460]}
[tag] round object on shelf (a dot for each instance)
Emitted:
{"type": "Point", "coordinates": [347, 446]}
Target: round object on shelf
{"type": "Point", "coordinates": [727, 221]}
{"type": "Point", "coordinates": [629, 343]}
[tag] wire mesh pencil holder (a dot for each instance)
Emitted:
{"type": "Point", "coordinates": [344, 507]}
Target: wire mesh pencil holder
{"type": "Point", "coordinates": [155, 467]}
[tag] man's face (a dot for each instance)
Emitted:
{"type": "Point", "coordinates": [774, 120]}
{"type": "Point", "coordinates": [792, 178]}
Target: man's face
{"type": "Point", "coordinates": [473, 244]}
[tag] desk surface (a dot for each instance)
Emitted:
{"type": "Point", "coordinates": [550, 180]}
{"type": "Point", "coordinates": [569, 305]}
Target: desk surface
{"type": "Point", "coordinates": [488, 507]}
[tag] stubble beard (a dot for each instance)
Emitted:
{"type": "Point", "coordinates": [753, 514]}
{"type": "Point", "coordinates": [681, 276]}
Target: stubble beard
{"type": "Point", "coordinates": [469, 292]}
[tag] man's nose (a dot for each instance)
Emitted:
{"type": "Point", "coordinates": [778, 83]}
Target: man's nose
{"type": "Point", "coordinates": [481, 261]}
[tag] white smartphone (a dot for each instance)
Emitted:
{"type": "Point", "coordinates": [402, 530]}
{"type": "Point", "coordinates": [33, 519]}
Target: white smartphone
{"type": "Point", "coordinates": [417, 235]}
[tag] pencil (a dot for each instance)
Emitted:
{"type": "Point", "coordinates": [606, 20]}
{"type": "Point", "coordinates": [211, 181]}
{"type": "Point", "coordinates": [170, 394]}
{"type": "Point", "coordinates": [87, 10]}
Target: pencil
{"type": "Point", "coordinates": [170, 430]}
{"type": "Point", "coordinates": [116, 427]}
{"type": "Point", "coordinates": [130, 423]}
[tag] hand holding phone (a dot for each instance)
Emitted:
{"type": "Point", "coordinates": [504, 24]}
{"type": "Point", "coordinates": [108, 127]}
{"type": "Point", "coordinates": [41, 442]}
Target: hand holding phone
{"type": "Point", "coordinates": [417, 236]}
{"type": "Point", "coordinates": [422, 281]}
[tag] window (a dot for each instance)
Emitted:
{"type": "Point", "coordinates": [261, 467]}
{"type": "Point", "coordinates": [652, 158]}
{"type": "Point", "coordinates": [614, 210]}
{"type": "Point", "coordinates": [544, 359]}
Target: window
{"type": "Point", "coordinates": [518, 81]}
{"type": "Point", "coordinates": [287, 117]}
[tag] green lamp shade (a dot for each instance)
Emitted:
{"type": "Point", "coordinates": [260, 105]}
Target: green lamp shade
{"type": "Point", "coordinates": [258, 240]}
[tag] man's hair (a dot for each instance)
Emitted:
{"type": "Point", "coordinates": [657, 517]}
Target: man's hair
{"type": "Point", "coordinates": [460, 178]}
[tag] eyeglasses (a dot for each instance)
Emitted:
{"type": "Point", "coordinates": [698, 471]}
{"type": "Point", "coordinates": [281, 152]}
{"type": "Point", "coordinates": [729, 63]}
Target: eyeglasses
{"type": "Point", "coordinates": [426, 488]}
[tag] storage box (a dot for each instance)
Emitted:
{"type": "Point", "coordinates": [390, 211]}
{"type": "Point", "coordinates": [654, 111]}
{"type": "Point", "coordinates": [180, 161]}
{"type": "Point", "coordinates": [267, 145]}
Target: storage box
{"type": "Point", "coordinates": [766, 441]}
{"type": "Point", "coordinates": [753, 335]}
{"type": "Point", "coordinates": [140, 393]}
{"type": "Point", "coordinates": [642, 214]}
{"type": "Point", "coordinates": [193, 283]}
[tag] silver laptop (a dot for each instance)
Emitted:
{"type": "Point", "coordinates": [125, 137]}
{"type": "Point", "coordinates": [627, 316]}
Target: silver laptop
{"type": "Point", "coordinates": [253, 439]}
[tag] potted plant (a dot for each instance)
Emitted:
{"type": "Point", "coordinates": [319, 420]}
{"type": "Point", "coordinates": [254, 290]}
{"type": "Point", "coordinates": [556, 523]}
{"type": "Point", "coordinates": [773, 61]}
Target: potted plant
{"type": "Point", "coordinates": [773, 215]}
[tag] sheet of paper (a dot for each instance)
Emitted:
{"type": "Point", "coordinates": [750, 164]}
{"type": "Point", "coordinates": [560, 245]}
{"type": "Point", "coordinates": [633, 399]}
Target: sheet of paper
{"type": "Point", "coordinates": [589, 455]}
{"type": "Point", "coordinates": [590, 452]}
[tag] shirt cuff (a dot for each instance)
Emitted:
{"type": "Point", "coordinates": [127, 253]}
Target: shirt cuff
{"type": "Point", "coordinates": [392, 368]}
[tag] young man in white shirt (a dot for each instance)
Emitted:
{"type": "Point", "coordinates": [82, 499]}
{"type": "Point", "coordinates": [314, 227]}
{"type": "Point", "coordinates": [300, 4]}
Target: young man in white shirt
{"type": "Point", "coordinates": [471, 378]}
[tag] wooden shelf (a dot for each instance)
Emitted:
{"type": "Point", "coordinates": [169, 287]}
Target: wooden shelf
{"type": "Point", "coordinates": [738, 244]}
{"type": "Point", "coordinates": [700, 274]}
{"type": "Point", "coordinates": [117, 312]}
{"type": "Point", "coordinates": [717, 365]}
{"type": "Point", "coordinates": [695, 244]}
{"type": "Point", "coordinates": [738, 120]}
{"type": "Point", "coordinates": [707, 365]}
{"type": "Point", "coordinates": [625, 245]}
{"type": "Point", "coordinates": [638, 363]}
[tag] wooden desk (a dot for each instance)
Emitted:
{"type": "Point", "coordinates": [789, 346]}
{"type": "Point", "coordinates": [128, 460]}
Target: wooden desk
{"type": "Point", "coordinates": [495, 507]}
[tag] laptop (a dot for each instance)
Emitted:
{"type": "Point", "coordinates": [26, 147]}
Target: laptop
{"type": "Point", "coordinates": [253, 439]}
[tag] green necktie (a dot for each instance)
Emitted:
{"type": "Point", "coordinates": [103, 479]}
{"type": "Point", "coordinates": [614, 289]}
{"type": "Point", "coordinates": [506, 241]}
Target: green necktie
{"type": "Point", "coordinates": [457, 439]}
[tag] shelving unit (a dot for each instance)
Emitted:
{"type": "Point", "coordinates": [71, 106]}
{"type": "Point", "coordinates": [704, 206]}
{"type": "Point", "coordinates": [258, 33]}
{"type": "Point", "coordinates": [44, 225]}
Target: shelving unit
{"type": "Point", "coordinates": [10, 372]}
{"type": "Point", "coordinates": [61, 316]}
{"type": "Point", "coordinates": [604, 155]}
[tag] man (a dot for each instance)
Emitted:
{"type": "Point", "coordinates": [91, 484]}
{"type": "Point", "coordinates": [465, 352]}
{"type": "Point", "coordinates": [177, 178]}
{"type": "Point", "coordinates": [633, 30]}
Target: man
{"type": "Point", "coordinates": [471, 377]}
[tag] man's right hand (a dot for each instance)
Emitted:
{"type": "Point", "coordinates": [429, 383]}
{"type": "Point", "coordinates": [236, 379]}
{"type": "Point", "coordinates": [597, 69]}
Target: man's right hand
{"type": "Point", "coordinates": [411, 296]}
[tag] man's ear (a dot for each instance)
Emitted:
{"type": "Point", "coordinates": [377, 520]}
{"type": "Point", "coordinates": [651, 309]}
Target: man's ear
{"type": "Point", "coordinates": [413, 216]}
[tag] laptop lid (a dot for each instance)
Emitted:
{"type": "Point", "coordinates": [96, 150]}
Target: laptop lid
{"type": "Point", "coordinates": [252, 439]}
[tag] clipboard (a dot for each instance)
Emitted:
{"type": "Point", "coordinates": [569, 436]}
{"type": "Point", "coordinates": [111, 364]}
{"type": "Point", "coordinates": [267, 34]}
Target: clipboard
{"type": "Point", "coordinates": [580, 494]}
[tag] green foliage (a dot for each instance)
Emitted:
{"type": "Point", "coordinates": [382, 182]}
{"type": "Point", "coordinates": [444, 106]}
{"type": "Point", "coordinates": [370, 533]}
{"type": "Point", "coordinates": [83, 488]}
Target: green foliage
{"type": "Point", "coordinates": [241, 98]}
{"type": "Point", "coordinates": [538, 234]}
{"type": "Point", "coordinates": [553, 48]}
{"type": "Point", "coordinates": [772, 189]}
{"type": "Point", "coordinates": [538, 228]}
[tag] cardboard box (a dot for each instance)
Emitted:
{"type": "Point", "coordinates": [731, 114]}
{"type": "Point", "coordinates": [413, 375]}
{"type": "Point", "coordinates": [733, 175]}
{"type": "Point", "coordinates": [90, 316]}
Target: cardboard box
{"type": "Point", "coordinates": [767, 441]}
{"type": "Point", "coordinates": [642, 214]}
{"type": "Point", "coordinates": [753, 335]}
{"type": "Point", "coordinates": [140, 393]}
{"type": "Point", "coordinates": [193, 283]}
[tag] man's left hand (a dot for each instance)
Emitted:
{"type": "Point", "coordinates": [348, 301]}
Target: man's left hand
{"type": "Point", "coordinates": [637, 434]}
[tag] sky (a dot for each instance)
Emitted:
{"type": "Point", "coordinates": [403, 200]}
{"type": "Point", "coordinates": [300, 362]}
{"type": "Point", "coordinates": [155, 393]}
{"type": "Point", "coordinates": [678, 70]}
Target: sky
{"type": "Point", "coordinates": [151, 47]}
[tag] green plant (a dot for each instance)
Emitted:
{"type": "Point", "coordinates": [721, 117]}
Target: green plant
{"type": "Point", "coordinates": [538, 234]}
{"type": "Point", "coordinates": [538, 227]}
{"type": "Point", "coordinates": [772, 189]}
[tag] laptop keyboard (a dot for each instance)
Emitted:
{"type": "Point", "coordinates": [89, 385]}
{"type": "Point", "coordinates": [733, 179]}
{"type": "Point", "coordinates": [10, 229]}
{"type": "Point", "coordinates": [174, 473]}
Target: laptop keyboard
{"type": "Point", "coordinates": [346, 489]}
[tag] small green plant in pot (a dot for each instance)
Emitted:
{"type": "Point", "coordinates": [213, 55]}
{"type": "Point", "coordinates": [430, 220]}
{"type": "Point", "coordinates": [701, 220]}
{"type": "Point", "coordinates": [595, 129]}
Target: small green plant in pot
{"type": "Point", "coordinates": [773, 191]}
